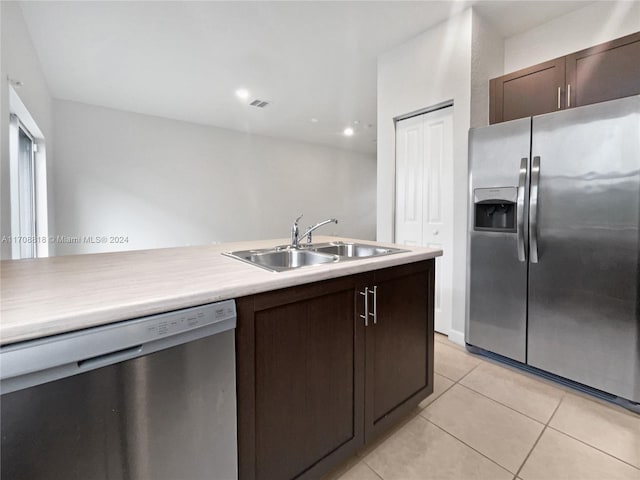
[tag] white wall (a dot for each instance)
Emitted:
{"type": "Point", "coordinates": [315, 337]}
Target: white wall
{"type": "Point", "coordinates": [487, 59]}
{"type": "Point", "coordinates": [19, 61]}
{"type": "Point", "coordinates": [433, 67]}
{"type": "Point", "coordinates": [596, 23]}
{"type": "Point", "coordinates": [168, 183]}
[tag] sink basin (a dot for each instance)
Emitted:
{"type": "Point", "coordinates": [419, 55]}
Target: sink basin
{"type": "Point", "coordinates": [354, 250]}
{"type": "Point", "coordinates": [281, 260]}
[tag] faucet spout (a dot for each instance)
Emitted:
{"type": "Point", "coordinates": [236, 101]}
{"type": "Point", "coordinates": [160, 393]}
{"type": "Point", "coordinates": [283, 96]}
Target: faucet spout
{"type": "Point", "coordinates": [310, 230]}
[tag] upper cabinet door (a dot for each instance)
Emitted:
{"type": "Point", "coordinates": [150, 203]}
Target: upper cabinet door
{"type": "Point", "coordinates": [532, 91]}
{"type": "Point", "coordinates": [604, 72]}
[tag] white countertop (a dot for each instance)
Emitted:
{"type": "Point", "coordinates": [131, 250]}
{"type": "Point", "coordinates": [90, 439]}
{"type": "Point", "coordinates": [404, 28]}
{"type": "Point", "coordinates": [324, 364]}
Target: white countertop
{"type": "Point", "coordinates": [47, 296]}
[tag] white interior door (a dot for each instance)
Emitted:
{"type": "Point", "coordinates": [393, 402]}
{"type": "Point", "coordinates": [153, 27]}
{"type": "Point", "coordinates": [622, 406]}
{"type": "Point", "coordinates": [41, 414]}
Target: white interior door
{"type": "Point", "coordinates": [409, 175]}
{"type": "Point", "coordinates": [424, 196]}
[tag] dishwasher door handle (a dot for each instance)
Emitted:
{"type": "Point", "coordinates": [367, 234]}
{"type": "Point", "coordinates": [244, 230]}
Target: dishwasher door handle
{"type": "Point", "coordinates": [110, 358]}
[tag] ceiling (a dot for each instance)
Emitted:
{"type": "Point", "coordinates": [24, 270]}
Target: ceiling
{"type": "Point", "coordinates": [184, 60]}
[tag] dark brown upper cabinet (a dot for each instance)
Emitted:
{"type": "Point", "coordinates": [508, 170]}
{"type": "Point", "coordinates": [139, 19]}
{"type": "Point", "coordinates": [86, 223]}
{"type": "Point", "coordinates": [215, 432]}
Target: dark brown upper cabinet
{"type": "Point", "coordinates": [597, 74]}
{"type": "Point", "coordinates": [604, 72]}
{"type": "Point", "coordinates": [532, 91]}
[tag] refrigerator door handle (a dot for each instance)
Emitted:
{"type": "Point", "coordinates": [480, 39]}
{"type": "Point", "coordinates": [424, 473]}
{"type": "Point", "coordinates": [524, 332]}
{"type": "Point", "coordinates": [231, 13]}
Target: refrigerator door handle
{"type": "Point", "coordinates": [533, 210]}
{"type": "Point", "coordinates": [522, 255]}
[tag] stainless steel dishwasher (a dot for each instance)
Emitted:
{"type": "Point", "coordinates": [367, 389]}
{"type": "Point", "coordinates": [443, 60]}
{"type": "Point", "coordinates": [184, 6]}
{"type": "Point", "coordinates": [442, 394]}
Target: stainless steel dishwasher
{"type": "Point", "coordinates": [145, 399]}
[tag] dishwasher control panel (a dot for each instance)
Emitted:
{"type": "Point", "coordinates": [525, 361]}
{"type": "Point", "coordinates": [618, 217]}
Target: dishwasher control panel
{"type": "Point", "coordinates": [182, 320]}
{"type": "Point", "coordinates": [39, 361]}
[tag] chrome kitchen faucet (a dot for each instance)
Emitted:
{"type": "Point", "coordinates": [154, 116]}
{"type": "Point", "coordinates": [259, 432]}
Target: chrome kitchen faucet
{"type": "Point", "coordinates": [295, 232]}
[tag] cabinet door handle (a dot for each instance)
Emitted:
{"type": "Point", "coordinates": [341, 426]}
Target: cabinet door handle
{"type": "Point", "coordinates": [559, 88]}
{"type": "Point", "coordinates": [365, 317]}
{"type": "Point", "coordinates": [568, 95]}
{"type": "Point", "coordinates": [375, 304]}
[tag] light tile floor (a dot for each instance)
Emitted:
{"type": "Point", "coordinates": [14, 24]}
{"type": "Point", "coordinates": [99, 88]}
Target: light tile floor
{"type": "Point", "coordinates": [488, 421]}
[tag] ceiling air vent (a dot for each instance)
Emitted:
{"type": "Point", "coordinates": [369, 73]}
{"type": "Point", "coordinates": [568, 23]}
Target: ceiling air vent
{"type": "Point", "coordinates": [259, 103]}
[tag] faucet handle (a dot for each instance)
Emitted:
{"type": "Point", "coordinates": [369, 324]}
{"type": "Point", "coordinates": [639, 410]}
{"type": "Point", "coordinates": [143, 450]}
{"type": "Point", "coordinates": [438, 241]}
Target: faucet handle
{"type": "Point", "coordinates": [295, 232]}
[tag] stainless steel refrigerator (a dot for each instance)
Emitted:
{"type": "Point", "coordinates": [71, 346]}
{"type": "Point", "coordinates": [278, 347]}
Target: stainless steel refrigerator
{"type": "Point", "coordinates": [554, 272]}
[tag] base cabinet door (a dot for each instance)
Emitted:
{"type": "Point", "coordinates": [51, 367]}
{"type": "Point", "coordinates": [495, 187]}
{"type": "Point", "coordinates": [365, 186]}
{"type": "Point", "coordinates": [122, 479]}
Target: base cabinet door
{"type": "Point", "coordinates": [301, 350]}
{"type": "Point", "coordinates": [399, 344]}
{"type": "Point", "coordinates": [319, 373]}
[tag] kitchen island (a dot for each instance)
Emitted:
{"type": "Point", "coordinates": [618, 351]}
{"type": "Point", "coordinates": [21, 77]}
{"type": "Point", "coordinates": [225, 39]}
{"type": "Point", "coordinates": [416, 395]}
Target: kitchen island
{"type": "Point", "coordinates": [327, 357]}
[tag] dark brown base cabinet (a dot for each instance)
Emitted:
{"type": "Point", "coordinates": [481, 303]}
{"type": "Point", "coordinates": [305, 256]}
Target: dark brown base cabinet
{"type": "Point", "coordinates": [315, 383]}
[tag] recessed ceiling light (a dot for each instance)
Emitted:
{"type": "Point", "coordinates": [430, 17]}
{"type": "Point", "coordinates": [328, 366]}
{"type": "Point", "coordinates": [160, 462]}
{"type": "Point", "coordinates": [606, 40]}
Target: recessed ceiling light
{"type": "Point", "coordinates": [314, 120]}
{"type": "Point", "coordinates": [242, 93]}
{"type": "Point", "coordinates": [348, 131]}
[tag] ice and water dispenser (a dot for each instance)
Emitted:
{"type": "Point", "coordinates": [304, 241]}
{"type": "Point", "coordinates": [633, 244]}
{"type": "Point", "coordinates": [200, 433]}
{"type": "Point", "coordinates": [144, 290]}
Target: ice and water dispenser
{"type": "Point", "coordinates": [495, 209]}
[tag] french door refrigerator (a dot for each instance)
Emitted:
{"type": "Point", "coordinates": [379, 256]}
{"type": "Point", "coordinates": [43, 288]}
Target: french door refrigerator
{"type": "Point", "coordinates": [554, 272]}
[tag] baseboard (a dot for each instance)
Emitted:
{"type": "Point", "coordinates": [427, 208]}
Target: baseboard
{"type": "Point", "coordinates": [456, 337]}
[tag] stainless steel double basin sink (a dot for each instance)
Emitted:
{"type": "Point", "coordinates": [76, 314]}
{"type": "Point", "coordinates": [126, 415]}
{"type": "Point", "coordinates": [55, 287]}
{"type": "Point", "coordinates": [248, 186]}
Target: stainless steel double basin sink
{"type": "Point", "coordinates": [284, 258]}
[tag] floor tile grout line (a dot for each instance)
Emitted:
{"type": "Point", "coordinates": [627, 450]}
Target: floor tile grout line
{"type": "Point", "coordinates": [504, 404]}
{"type": "Point", "coordinates": [362, 454]}
{"type": "Point", "coordinates": [436, 398]}
{"type": "Point", "coordinates": [493, 363]}
{"type": "Point", "coordinates": [372, 469]}
{"type": "Point", "coordinates": [443, 375]}
{"type": "Point", "coordinates": [545, 425]}
{"type": "Point", "coordinates": [455, 382]}
{"type": "Point", "coordinates": [564, 389]}
{"type": "Point", "coordinates": [485, 396]}
{"type": "Point", "coordinates": [466, 444]}
{"type": "Point", "coordinates": [458, 382]}
{"type": "Point", "coordinates": [535, 444]}
{"type": "Point", "coordinates": [555, 429]}
{"type": "Point", "coordinates": [548, 382]}
{"type": "Point", "coordinates": [468, 373]}
{"type": "Point", "coordinates": [464, 376]}
{"type": "Point", "coordinates": [581, 441]}
{"type": "Point", "coordinates": [480, 361]}
{"type": "Point", "coordinates": [419, 412]}
{"type": "Point", "coordinates": [507, 406]}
